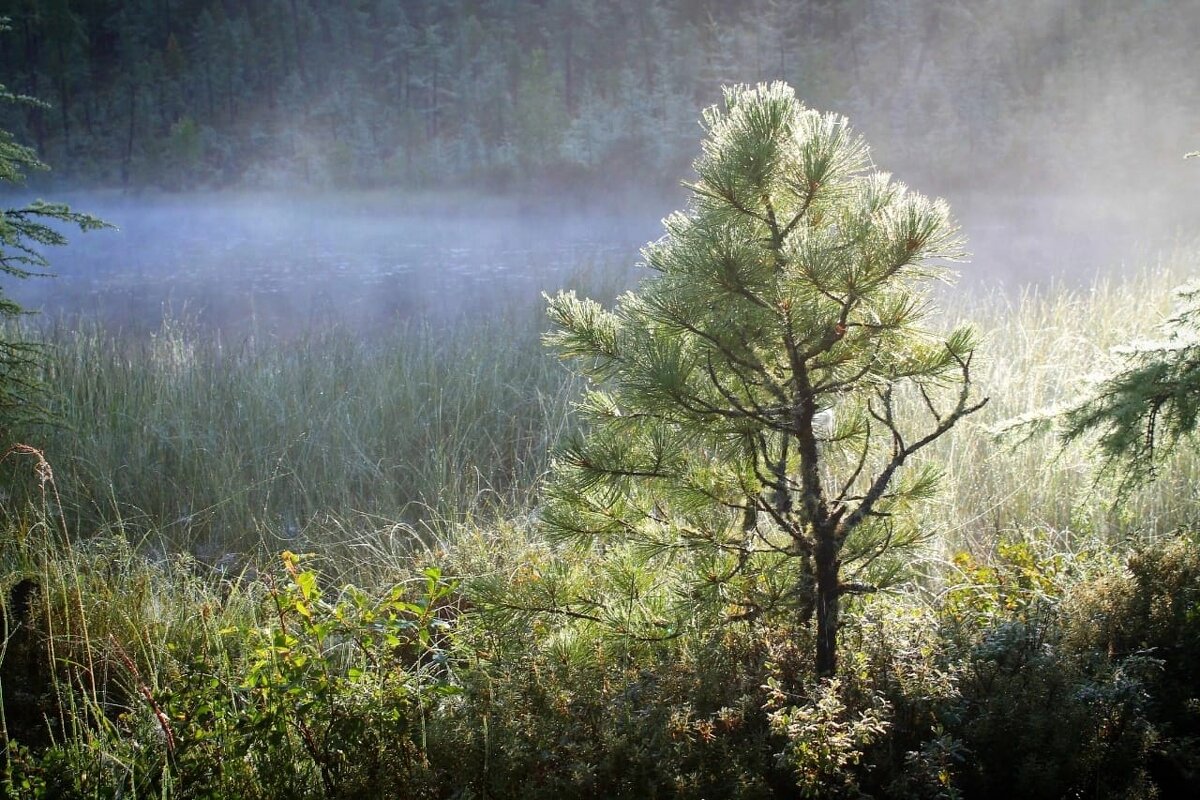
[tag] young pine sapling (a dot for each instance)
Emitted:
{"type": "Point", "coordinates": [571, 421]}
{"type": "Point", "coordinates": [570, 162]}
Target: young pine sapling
{"type": "Point", "coordinates": [755, 403]}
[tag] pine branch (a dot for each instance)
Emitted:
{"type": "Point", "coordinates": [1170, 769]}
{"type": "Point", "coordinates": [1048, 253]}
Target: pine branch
{"type": "Point", "coordinates": [962, 408]}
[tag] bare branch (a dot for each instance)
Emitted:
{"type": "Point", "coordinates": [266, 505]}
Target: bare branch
{"type": "Point", "coordinates": [963, 407]}
{"type": "Point", "coordinates": [858, 468]}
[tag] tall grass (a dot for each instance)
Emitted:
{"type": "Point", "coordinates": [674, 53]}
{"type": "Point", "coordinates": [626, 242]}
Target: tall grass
{"type": "Point", "coordinates": [190, 440]}
{"type": "Point", "coordinates": [219, 445]}
{"type": "Point", "coordinates": [356, 446]}
{"type": "Point", "coordinates": [1040, 350]}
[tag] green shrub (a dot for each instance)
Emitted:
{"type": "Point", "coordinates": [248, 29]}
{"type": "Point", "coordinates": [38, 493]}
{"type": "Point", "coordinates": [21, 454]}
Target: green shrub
{"type": "Point", "coordinates": [272, 688]}
{"type": "Point", "coordinates": [562, 710]}
{"type": "Point", "coordinates": [1038, 714]}
{"type": "Point", "coordinates": [1146, 618]}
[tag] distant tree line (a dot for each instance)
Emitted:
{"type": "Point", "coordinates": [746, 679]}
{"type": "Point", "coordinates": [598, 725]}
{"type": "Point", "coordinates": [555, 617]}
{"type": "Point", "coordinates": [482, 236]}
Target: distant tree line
{"type": "Point", "coordinates": [187, 93]}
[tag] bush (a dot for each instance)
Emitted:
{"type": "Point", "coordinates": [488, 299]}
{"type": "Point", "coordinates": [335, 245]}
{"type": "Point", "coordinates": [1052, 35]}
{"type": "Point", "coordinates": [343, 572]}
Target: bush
{"type": "Point", "coordinates": [1076, 675]}
{"type": "Point", "coordinates": [278, 688]}
{"type": "Point", "coordinates": [1145, 618]}
{"type": "Point", "coordinates": [563, 710]}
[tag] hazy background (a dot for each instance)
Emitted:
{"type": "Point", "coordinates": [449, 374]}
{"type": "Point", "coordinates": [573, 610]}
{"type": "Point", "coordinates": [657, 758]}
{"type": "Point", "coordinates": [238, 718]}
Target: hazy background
{"type": "Point", "coordinates": [284, 162]}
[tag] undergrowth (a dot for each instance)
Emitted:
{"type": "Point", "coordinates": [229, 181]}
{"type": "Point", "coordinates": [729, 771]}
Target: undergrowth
{"type": "Point", "coordinates": [310, 569]}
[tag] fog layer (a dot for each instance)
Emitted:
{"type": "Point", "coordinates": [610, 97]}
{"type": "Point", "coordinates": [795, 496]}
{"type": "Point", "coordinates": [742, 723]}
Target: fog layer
{"type": "Point", "coordinates": [1055, 128]}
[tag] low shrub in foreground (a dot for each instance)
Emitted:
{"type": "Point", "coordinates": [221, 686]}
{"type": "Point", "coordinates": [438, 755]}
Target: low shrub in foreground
{"type": "Point", "coordinates": [279, 688]}
{"type": "Point", "coordinates": [1033, 674]}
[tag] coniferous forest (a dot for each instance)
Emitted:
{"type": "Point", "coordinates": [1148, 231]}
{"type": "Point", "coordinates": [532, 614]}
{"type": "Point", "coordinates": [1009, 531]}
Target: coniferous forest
{"type": "Point", "coordinates": [186, 93]}
{"type": "Point", "coordinates": [349, 448]}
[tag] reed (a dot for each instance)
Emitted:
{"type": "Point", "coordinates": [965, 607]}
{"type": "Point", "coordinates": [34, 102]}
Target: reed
{"type": "Point", "coordinates": [217, 446]}
{"type": "Point", "coordinates": [151, 518]}
{"type": "Point", "coordinates": [1039, 350]}
{"type": "Point", "coordinates": [191, 441]}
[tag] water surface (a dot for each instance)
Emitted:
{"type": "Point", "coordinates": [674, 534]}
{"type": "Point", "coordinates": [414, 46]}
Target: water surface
{"type": "Point", "coordinates": [282, 264]}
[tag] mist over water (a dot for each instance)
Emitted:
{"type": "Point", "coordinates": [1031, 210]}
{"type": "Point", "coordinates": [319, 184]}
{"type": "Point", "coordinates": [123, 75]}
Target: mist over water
{"type": "Point", "coordinates": [273, 264]}
{"type": "Point", "coordinates": [1055, 129]}
{"type": "Point", "coordinates": [280, 265]}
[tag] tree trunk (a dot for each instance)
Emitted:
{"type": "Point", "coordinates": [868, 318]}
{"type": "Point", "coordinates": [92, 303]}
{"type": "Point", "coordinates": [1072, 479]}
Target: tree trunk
{"type": "Point", "coordinates": [33, 55]}
{"type": "Point", "coordinates": [64, 111]}
{"type": "Point", "coordinates": [64, 99]}
{"type": "Point", "coordinates": [568, 72]}
{"type": "Point", "coordinates": [128, 159]}
{"type": "Point", "coordinates": [208, 90]}
{"type": "Point", "coordinates": [435, 98]}
{"type": "Point", "coordinates": [828, 599]}
{"type": "Point", "coordinates": [298, 42]}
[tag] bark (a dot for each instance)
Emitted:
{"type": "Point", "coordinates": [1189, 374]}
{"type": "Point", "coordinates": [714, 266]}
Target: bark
{"type": "Point", "coordinates": [64, 98]}
{"type": "Point", "coordinates": [298, 43]}
{"type": "Point", "coordinates": [828, 602]}
{"type": "Point", "coordinates": [568, 72]}
{"type": "Point", "coordinates": [129, 139]}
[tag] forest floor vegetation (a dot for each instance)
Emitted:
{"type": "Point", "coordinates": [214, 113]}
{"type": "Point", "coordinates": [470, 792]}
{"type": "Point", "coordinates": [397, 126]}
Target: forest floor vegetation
{"type": "Point", "coordinates": [310, 569]}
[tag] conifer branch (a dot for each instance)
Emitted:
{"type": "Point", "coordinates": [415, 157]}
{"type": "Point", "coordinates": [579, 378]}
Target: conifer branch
{"type": "Point", "coordinates": [962, 408]}
{"type": "Point", "coordinates": [863, 454]}
{"type": "Point", "coordinates": [753, 325]}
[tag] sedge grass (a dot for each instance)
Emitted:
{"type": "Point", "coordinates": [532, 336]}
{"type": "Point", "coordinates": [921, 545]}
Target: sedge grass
{"type": "Point", "coordinates": [186, 440]}
{"type": "Point", "coordinates": [431, 439]}
{"type": "Point", "coordinates": [220, 446]}
{"type": "Point", "coordinates": [1040, 350]}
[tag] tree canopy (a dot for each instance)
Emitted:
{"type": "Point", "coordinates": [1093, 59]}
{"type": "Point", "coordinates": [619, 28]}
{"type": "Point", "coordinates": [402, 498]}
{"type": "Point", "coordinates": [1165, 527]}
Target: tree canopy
{"type": "Point", "coordinates": [755, 404]}
{"type": "Point", "coordinates": [1143, 410]}
{"type": "Point", "coordinates": [183, 93]}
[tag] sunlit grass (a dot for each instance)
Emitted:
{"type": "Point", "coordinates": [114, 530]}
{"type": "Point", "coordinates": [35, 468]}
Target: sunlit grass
{"type": "Point", "coordinates": [185, 439]}
{"type": "Point", "coordinates": [218, 445]}
{"type": "Point", "coordinates": [185, 462]}
{"type": "Point", "coordinates": [1039, 350]}
{"type": "Point", "coordinates": [190, 439]}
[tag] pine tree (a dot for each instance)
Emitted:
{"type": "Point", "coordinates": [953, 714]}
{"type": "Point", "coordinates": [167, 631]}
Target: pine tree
{"type": "Point", "coordinates": [24, 232]}
{"type": "Point", "coordinates": [754, 404]}
{"type": "Point", "coordinates": [1140, 412]}
{"type": "Point", "coordinates": [1144, 410]}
